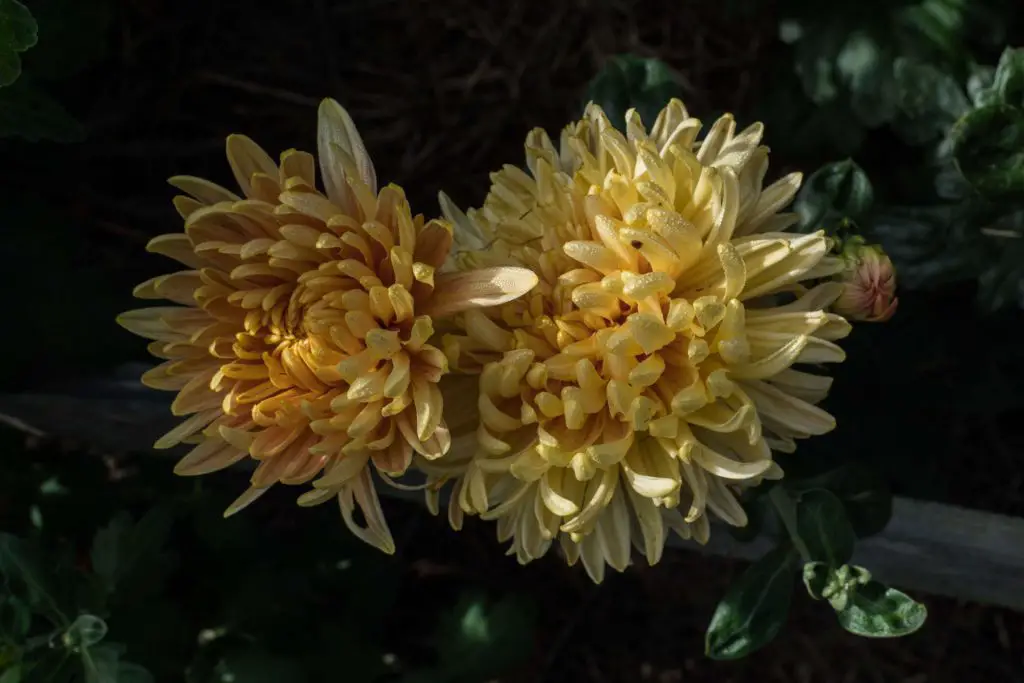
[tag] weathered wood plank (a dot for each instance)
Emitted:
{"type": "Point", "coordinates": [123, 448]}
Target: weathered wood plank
{"type": "Point", "coordinates": [927, 547]}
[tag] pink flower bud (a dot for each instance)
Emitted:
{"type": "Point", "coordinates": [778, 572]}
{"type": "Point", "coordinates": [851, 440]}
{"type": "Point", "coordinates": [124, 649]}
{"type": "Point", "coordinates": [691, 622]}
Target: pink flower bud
{"type": "Point", "coordinates": [869, 294]}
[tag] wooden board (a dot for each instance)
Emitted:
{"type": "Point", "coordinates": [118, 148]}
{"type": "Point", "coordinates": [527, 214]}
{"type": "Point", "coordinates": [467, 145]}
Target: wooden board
{"type": "Point", "coordinates": [927, 547]}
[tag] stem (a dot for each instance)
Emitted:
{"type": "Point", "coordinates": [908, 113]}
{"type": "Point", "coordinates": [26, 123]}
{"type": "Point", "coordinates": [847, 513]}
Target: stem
{"type": "Point", "coordinates": [785, 507]}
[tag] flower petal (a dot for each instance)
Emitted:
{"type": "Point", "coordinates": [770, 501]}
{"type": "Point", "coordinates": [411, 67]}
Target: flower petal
{"type": "Point", "coordinates": [456, 292]}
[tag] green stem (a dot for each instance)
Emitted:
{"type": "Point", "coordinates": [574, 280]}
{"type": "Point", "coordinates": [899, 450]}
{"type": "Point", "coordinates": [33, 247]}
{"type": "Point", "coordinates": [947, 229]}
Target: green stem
{"type": "Point", "coordinates": [785, 507]}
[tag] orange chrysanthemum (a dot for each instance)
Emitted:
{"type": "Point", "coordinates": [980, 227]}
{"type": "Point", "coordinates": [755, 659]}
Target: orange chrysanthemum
{"type": "Point", "coordinates": [302, 335]}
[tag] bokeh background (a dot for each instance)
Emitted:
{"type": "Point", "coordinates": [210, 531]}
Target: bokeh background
{"type": "Point", "coordinates": [118, 95]}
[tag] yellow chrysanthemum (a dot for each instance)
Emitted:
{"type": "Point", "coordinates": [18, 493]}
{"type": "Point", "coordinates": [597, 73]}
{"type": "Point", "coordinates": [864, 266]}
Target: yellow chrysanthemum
{"type": "Point", "coordinates": [302, 335]}
{"type": "Point", "coordinates": [650, 372]}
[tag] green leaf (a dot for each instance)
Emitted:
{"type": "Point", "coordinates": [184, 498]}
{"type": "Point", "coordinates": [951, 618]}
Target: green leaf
{"type": "Point", "coordinates": [933, 27]}
{"type": "Point", "coordinates": [865, 67]}
{"type": "Point", "coordinates": [86, 631]}
{"type": "Point", "coordinates": [824, 527]}
{"type": "Point", "coordinates": [11, 674]}
{"type": "Point", "coordinates": [102, 662]}
{"type": "Point", "coordinates": [129, 672]}
{"type": "Point", "coordinates": [423, 676]}
{"type": "Point", "coordinates": [930, 101]}
{"type": "Point", "coordinates": [876, 611]}
{"type": "Point", "coordinates": [1008, 81]}
{"type": "Point", "coordinates": [979, 85]}
{"type": "Point", "coordinates": [815, 50]}
{"type": "Point", "coordinates": [815, 576]}
{"type": "Point", "coordinates": [121, 546]}
{"type": "Point", "coordinates": [20, 565]}
{"type": "Point", "coordinates": [754, 609]}
{"type": "Point", "coordinates": [988, 145]}
{"type": "Point", "coordinates": [830, 130]}
{"type": "Point", "coordinates": [835, 191]}
{"type": "Point", "coordinates": [1002, 283]}
{"type": "Point", "coordinates": [29, 113]}
{"type": "Point", "coordinates": [756, 505]}
{"type": "Point", "coordinates": [865, 495]}
{"type": "Point", "coordinates": [15, 618]}
{"type": "Point", "coordinates": [930, 245]}
{"type": "Point", "coordinates": [18, 32]}
{"type": "Point", "coordinates": [479, 639]}
{"type": "Point", "coordinates": [838, 585]}
{"type": "Point", "coordinates": [628, 81]}
{"type": "Point", "coordinates": [107, 547]}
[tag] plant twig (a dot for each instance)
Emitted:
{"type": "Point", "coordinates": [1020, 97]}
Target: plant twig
{"type": "Point", "coordinates": [785, 507]}
{"type": "Point", "coordinates": [258, 89]}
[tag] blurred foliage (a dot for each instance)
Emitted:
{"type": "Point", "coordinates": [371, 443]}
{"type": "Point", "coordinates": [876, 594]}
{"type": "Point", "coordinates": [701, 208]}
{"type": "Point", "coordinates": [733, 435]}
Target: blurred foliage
{"type": "Point", "coordinates": [169, 589]}
{"type": "Point", "coordinates": [18, 32]}
{"type": "Point", "coordinates": [66, 37]}
{"type": "Point", "coordinates": [628, 82]}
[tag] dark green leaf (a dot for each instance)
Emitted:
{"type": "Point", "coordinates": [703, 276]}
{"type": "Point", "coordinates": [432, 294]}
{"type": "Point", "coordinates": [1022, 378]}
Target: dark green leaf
{"type": "Point", "coordinates": [15, 618]}
{"type": "Point", "coordinates": [866, 68]}
{"type": "Point", "coordinates": [628, 81]}
{"type": "Point", "coordinates": [824, 527]}
{"type": "Point", "coordinates": [28, 112]}
{"type": "Point", "coordinates": [86, 631]}
{"type": "Point", "coordinates": [20, 565]}
{"type": "Point", "coordinates": [129, 672]}
{"type": "Point", "coordinates": [933, 27]}
{"type": "Point", "coordinates": [18, 32]}
{"type": "Point", "coordinates": [835, 584]}
{"type": "Point", "coordinates": [102, 662]}
{"type": "Point", "coordinates": [865, 495]}
{"type": "Point", "coordinates": [424, 676]}
{"type": "Point", "coordinates": [756, 506]}
{"type": "Point", "coordinates": [107, 547]}
{"type": "Point", "coordinates": [876, 611]}
{"type": "Point", "coordinates": [979, 86]}
{"type": "Point", "coordinates": [755, 607]}
{"type": "Point", "coordinates": [830, 129]}
{"type": "Point", "coordinates": [815, 51]}
{"type": "Point", "coordinates": [122, 545]}
{"type": "Point", "coordinates": [479, 639]}
{"type": "Point", "coordinates": [1002, 283]}
{"type": "Point", "coordinates": [930, 101]}
{"type": "Point", "coordinates": [836, 191]}
{"type": "Point", "coordinates": [12, 674]}
{"type": "Point", "coordinates": [1008, 81]}
{"type": "Point", "coordinates": [988, 144]}
{"type": "Point", "coordinates": [930, 245]}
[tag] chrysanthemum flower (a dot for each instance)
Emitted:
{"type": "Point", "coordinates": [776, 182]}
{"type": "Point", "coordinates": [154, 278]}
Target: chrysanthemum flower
{"type": "Point", "coordinates": [302, 334]}
{"type": "Point", "coordinates": [650, 373]}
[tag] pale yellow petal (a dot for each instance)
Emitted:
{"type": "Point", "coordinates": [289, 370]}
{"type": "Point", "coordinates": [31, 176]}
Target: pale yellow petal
{"type": "Point", "coordinates": [455, 292]}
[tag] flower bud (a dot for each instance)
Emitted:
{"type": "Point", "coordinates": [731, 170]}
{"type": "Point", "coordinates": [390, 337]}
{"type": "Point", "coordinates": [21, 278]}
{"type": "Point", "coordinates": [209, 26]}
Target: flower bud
{"type": "Point", "coordinates": [869, 294]}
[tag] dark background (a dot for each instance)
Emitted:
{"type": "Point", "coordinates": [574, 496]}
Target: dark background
{"type": "Point", "coordinates": [444, 93]}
